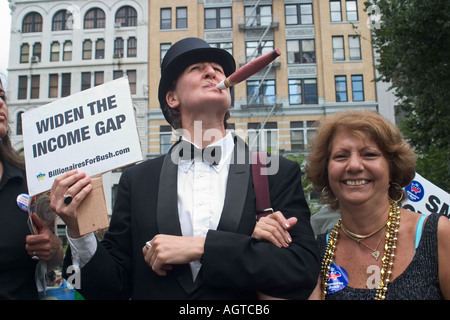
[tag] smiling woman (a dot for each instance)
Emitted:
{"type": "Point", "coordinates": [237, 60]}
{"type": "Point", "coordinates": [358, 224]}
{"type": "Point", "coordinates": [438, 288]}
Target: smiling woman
{"type": "Point", "coordinates": [365, 125]}
{"type": "Point", "coordinates": [362, 163]}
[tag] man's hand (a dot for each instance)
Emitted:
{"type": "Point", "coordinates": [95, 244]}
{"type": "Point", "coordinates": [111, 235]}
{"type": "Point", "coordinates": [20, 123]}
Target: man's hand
{"type": "Point", "coordinates": [163, 251]}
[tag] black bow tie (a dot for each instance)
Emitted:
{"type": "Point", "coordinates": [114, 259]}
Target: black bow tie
{"type": "Point", "coordinates": [187, 151]}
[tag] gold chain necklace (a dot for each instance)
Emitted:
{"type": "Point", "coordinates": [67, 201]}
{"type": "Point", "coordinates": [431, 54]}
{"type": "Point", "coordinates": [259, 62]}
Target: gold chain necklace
{"type": "Point", "coordinates": [391, 234]}
{"type": "Point", "coordinates": [359, 238]}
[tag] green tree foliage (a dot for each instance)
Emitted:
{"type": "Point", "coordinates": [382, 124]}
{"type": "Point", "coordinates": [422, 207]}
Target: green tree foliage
{"type": "Point", "coordinates": [308, 187]}
{"type": "Point", "coordinates": [412, 39]}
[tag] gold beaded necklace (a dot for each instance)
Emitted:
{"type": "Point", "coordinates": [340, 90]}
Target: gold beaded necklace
{"type": "Point", "coordinates": [391, 234]}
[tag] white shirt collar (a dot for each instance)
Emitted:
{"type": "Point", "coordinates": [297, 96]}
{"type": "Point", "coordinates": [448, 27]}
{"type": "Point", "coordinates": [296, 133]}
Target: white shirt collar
{"type": "Point", "coordinates": [227, 145]}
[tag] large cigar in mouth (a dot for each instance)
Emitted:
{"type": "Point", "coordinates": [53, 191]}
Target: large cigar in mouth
{"type": "Point", "coordinates": [249, 69]}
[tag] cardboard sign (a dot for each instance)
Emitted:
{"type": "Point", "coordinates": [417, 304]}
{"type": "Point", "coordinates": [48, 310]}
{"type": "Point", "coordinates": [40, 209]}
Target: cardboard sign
{"type": "Point", "coordinates": [426, 198]}
{"type": "Point", "coordinates": [93, 131]}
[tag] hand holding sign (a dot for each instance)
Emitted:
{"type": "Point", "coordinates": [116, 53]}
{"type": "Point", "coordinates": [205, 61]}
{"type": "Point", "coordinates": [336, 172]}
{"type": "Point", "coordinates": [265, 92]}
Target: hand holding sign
{"type": "Point", "coordinates": [93, 131]}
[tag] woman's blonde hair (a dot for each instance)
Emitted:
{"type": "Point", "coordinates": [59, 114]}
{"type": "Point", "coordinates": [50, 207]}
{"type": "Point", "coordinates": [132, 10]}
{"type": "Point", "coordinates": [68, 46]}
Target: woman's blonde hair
{"type": "Point", "coordinates": [364, 124]}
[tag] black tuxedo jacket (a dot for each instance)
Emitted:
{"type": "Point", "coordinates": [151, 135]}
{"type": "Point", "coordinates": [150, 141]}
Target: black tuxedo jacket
{"type": "Point", "coordinates": [234, 265]}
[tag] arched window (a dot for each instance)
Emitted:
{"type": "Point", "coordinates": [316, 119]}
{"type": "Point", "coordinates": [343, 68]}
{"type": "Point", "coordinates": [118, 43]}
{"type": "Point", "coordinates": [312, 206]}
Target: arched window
{"type": "Point", "coordinates": [37, 50]}
{"type": "Point", "coordinates": [32, 23]}
{"type": "Point", "coordinates": [67, 51]}
{"type": "Point", "coordinates": [132, 47]}
{"type": "Point", "coordinates": [54, 51]}
{"type": "Point", "coordinates": [94, 19]}
{"type": "Point", "coordinates": [100, 49]}
{"type": "Point", "coordinates": [126, 16]}
{"type": "Point", "coordinates": [61, 19]}
{"type": "Point", "coordinates": [118, 48]}
{"type": "Point", "coordinates": [87, 49]}
{"type": "Point", "coordinates": [25, 53]}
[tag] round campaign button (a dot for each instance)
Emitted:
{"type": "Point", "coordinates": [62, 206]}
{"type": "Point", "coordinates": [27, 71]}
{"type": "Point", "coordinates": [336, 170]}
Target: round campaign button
{"type": "Point", "coordinates": [337, 278]}
{"type": "Point", "coordinates": [22, 201]}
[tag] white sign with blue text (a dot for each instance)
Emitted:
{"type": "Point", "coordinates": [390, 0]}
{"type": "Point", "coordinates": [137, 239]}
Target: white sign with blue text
{"type": "Point", "coordinates": [92, 131]}
{"type": "Point", "coordinates": [426, 198]}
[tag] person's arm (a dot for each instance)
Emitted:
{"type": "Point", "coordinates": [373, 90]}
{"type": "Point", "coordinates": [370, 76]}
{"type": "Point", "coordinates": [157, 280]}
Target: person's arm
{"type": "Point", "coordinates": [247, 263]}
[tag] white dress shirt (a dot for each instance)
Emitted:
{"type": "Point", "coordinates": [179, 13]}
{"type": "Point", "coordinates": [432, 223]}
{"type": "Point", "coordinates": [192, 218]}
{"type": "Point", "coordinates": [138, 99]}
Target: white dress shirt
{"type": "Point", "coordinates": [201, 196]}
{"type": "Point", "coordinates": [201, 193]}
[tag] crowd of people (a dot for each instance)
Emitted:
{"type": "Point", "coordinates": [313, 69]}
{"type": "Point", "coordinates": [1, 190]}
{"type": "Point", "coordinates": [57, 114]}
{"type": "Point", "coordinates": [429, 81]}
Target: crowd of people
{"type": "Point", "coordinates": [186, 228]}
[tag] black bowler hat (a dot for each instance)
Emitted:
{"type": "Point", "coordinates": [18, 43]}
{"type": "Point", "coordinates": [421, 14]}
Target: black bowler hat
{"type": "Point", "coordinates": [185, 53]}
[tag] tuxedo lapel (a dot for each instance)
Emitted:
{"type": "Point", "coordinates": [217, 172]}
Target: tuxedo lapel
{"type": "Point", "coordinates": [167, 214]}
{"type": "Point", "coordinates": [167, 209]}
{"type": "Point", "coordinates": [237, 185]}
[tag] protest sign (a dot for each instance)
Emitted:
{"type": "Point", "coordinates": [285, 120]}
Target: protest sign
{"type": "Point", "coordinates": [425, 197]}
{"type": "Point", "coordinates": [93, 131]}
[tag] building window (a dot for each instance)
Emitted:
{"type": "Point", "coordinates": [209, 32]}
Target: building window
{"type": "Point", "coordinates": [37, 50]}
{"type": "Point", "coordinates": [297, 14]}
{"type": "Point", "coordinates": [25, 53]}
{"type": "Point", "coordinates": [216, 18]}
{"type": "Point", "coordinates": [65, 84]}
{"type": "Point", "coordinates": [335, 10]}
{"type": "Point", "coordinates": [94, 19]}
{"type": "Point", "coordinates": [310, 86]}
{"type": "Point", "coordinates": [87, 49]}
{"type": "Point", "coordinates": [302, 133]}
{"type": "Point", "coordinates": [255, 49]}
{"type": "Point", "coordinates": [100, 49]}
{"type": "Point", "coordinates": [341, 88]}
{"type": "Point", "coordinates": [32, 23]}
{"type": "Point", "coordinates": [117, 74]}
{"type": "Point", "coordinates": [301, 51]}
{"type": "Point", "coordinates": [352, 10]}
{"type": "Point", "coordinates": [182, 18]}
{"type": "Point", "coordinates": [118, 48]}
{"type": "Point", "coordinates": [263, 139]}
{"type": "Point", "coordinates": [357, 88]}
{"type": "Point", "coordinates": [164, 47]}
{"type": "Point", "coordinates": [54, 54]}
{"type": "Point", "coordinates": [85, 80]}
{"type": "Point", "coordinates": [53, 85]}
{"type": "Point", "coordinates": [165, 139]}
{"type": "Point", "coordinates": [62, 20]}
{"type": "Point", "coordinates": [227, 46]}
{"type": "Point", "coordinates": [99, 78]}
{"type": "Point", "coordinates": [35, 85]}
{"type": "Point", "coordinates": [302, 91]}
{"type": "Point", "coordinates": [132, 80]}
{"type": "Point", "coordinates": [354, 47]}
{"type": "Point", "coordinates": [132, 47]}
{"type": "Point", "coordinates": [23, 87]}
{"type": "Point", "coordinates": [166, 18]}
{"type": "Point", "coordinates": [338, 48]}
{"type": "Point", "coordinates": [295, 91]}
{"type": "Point", "coordinates": [261, 94]}
{"type": "Point", "coordinates": [19, 127]}
{"type": "Point", "coordinates": [126, 16]}
{"type": "Point", "coordinates": [67, 51]}
{"type": "Point", "coordinates": [258, 16]}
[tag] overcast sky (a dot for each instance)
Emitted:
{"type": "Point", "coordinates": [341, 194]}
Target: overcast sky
{"type": "Point", "coordinates": [5, 26]}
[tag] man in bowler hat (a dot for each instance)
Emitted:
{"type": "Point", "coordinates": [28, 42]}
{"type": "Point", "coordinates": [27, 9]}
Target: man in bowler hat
{"type": "Point", "coordinates": [182, 226]}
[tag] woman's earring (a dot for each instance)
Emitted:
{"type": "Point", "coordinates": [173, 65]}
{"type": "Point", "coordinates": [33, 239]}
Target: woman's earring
{"type": "Point", "coordinates": [397, 189]}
